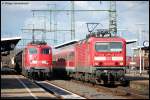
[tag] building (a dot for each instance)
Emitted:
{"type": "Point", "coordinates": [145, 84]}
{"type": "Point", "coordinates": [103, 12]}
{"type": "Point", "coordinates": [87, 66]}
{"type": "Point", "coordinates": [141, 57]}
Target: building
{"type": "Point", "coordinates": [144, 58]}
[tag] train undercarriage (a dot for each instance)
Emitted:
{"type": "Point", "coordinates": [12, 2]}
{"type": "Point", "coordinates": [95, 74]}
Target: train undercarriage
{"type": "Point", "coordinates": [37, 73]}
{"type": "Point", "coordinates": [101, 76]}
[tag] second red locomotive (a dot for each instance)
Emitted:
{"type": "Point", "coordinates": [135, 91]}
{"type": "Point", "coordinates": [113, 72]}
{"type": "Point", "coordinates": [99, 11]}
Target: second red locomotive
{"type": "Point", "coordinates": [35, 60]}
{"type": "Point", "coordinates": [95, 59]}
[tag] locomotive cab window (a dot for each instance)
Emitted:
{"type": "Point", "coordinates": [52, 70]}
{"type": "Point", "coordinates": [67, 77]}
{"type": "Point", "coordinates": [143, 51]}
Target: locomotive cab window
{"type": "Point", "coordinates": [116, 46]}
{"type": "Point", "coordinates": [108, 46]}
{"type": "Point", "coordinates": [32, 50]}
{"type": "Point", "coordinates": [45, 51]}
{"type": "Point", "coordinates": [101, 46]}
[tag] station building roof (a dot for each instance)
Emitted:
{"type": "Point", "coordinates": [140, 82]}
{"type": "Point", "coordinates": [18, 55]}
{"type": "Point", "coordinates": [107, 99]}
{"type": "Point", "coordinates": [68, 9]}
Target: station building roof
{"type": "Point", "coordinates": [142, 47]}
{"type": "Point", "coordinates": [131, 41]}
{"type": "Point", "coordinates": [66, 44]}
{"type": "Point", "coordinates": [8, 44]}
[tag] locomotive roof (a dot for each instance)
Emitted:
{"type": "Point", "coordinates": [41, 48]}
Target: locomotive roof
{"type": "Point", "coordinates": [38, 43]}
{"type": "Point", "coordinates": [75, 41]}
{"type": "Point", "coordinates": [66, 44]}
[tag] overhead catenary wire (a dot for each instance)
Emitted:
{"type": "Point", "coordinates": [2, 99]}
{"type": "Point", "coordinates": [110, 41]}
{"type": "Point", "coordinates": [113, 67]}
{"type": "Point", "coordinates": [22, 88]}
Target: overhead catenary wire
{"type": "Point", "coordinates": [124, 10]}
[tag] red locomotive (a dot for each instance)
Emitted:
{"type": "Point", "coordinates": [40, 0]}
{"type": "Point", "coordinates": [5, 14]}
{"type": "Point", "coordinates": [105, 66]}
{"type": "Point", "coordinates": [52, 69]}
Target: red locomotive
{"type": "Point", "coordinates": [95, 59]}
{"type": "Point", "coordinates": [35, 60]}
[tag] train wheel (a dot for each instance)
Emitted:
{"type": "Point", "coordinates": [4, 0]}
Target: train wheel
{"type": "Point", "coordinates": [27, 74]}
{"type": "Point", "coordinates": [35, 75]}
{"type": "Point", "coordinates": [112, 80]}
{"type": "Point", "coordinates": [72, 75]}
{"type": "Point", "coordinates": [97, 80]}
{"type": "Point", "coordinates": [77, 76]}
{"type": "Point", "coordinates": [112, 83]}
{"type": "Point", "coordinates": [92, 79]}
{"type": "Point", "coordinates": [87, 77]}
{"type": "Point", "coordinates": [82, 77]}
{"type": "Point", "coordinates": [49, 75]}
{"type": "Point", "coordinates": [30, 75]}
{"type": "Point", "coordinates": [40, 75]}
{"type": "Point", "coordinates": [105, 82]}
{"type": "Point", "coordinates": [124, 82]}
{"type": "Point", "coordinates": [43, 76]}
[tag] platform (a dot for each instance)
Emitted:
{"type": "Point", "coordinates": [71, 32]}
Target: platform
{"type": "Point", "coordinates": [18, 87]}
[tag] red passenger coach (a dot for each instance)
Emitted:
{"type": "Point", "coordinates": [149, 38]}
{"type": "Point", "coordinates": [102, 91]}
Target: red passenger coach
{"type": "Point", "coordinates": [64, 58]}
{"type": "Point", "coordinates": [35, 60]}
{"type": "Point", "coordinates": [93, 59]}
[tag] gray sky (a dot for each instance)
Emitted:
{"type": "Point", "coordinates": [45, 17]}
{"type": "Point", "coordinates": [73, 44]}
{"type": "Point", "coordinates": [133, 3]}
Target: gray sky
{"type": "Point", "coordinates": [16, 15]}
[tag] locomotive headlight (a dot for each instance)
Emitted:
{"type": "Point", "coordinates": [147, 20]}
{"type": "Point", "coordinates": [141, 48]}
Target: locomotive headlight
{"type": "Point", "coordinates": [96, 63]}
{"type": "Point", "coordinates": [34, 61]}
{"type": "Point", "coordinates": [99, 58]}
{"type": "Point", "coordinates": [44, 62]}
{"type": "Point", "coordinates": [117, 58]}
{"type": "Point", "coordinates": [121, 63]}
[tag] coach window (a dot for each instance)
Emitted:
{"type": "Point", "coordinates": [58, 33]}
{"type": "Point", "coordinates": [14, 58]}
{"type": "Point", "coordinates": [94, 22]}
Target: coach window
{"type": "Point", "coordinates": [71, 55]}
{"type": "Point", "coordinates": [45, 51]}
{"type": "Point", "coordinates": [32, 50]}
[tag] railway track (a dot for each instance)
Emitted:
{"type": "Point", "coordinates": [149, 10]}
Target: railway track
{"type": "Point", "coordinates": [116, 91]}
{"type": "Point", "coordinates": [83, 90]}
{"type": "Point", "coordinates": [131, 93]}
{"type": "Point", "coordinates": [59, 92]}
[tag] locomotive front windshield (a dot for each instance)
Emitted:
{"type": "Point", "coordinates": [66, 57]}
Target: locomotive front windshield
{"type": "Point", "coordinates": [32, 50]}
{"type": "Point", "coordinates": [45, 51]}
{"type": "Point", "coordinates": [108, 46]}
